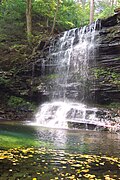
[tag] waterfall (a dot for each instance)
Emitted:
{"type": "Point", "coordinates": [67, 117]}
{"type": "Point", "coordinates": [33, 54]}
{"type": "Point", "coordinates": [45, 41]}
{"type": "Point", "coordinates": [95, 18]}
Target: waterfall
{"type": "Point", "coordinates": [70, 57]}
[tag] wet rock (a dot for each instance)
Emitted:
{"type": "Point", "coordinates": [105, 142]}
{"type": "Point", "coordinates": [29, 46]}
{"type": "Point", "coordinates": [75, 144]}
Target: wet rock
{"type": "Point", "coordinates": [111, 21]}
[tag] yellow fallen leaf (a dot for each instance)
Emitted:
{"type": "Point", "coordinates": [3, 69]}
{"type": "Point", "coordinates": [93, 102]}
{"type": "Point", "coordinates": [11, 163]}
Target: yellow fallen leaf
{"type": "Point", "coordinates": [85, 170]}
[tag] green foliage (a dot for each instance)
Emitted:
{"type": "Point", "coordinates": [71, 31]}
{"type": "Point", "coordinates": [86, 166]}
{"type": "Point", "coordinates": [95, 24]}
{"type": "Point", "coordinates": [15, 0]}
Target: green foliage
{"type": "Point", "coordinates": [2, 37]}
{"type": "Point", "coordinates": [52, 76]}
{"type": "Point", "coordinates": [17, 48]}
{"type": "Point", "coordinates": [109, 76]}
{"type": "Point", "coordinates": [114, 105]}
{"type": "Point", "coordinates": [20, 104]}
{"type": "Point", "coordinates": [65, 16]}
{"type": "Point", "coordinates": [12, 15]}
{"type": "Point", "coordinates": [70, 15]}
{"type": "Point", "coordinates": [44, 8]}
{"type": "Point", "coordinates": [4, 81]}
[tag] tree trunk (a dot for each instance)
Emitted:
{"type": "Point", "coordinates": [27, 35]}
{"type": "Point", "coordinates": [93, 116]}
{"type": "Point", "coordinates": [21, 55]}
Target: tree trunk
{"type": "Point", "coordinates": [112, 3]}
{"type": "Point", "coordinates": [91, 11]}
{"type": "Point", "coordinates": [54, 20]}
{"type": "Point", "coordinates": [47, 23]}
{"type": "Point", "coordinates": [29, 19]}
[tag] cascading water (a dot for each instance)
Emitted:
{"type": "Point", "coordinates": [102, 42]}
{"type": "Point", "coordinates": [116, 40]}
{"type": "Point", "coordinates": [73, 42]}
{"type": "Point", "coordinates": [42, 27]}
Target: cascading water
{"type": "Point", "coordinates": [70, 56]}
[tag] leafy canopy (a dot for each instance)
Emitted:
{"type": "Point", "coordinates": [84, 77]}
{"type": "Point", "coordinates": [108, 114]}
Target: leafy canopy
{"type": "Point", "coordinates": [70, 14]}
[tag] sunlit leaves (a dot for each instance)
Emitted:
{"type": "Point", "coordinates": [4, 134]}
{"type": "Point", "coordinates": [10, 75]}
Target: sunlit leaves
{"type": "Point", "coordinates": [44, 7]}
{"type": "Point", "coordinates": [69, 14]}
{"type": "Point", "coordinates": [57, 164]}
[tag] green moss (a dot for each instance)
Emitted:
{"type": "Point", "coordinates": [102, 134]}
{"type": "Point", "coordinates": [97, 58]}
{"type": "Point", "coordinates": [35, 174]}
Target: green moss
{"type": "Point", "coordinates": [108, 75]}
{"type": "Point", "coordinates": [19, 103]}
{"type": "Point", "coordinates": [4, 81]}
{"type": "Point", "coordinates": [114, 105]}
{"type": "Point", "coordinates": [52, 76]}
{"type": "Point", "coordinates": [18, 47]}
{"type": "Point", "coordinates": [12, 141]}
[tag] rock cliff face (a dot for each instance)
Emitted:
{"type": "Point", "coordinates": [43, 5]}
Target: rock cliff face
{"type": "Point", "coordinates": [31, 80]}
{"type": "Point", "coordinates": [108, 61]}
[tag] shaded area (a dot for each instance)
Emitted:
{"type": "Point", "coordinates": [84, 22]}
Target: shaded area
{"type": "Point", "coordinates": [30, 163]}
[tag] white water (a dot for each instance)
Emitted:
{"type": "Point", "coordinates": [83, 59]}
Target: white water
{"type": "Point", "coordinates": [70, 58]}
{"type": "Point", "coordinates": [58, 114]}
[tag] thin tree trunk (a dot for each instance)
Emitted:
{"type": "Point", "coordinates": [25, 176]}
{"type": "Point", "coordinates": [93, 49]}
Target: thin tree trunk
{"type": "Point", "coordinates": [91, 11]}
{"type": "Point", "coordinates": [47, 23]}
{"type": "Point", "coordinates": [115, 2]}
{"type": "Point", "coordinates": [29, 19]}
{"type": "Point", "coordinates": [54, 20]}
{"type": "Point", "coordinates": [112, 3]}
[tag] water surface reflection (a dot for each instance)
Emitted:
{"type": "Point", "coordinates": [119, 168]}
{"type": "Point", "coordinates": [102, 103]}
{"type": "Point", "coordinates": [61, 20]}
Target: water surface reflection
{"type": "Point", "coordinates": [81, 141]}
